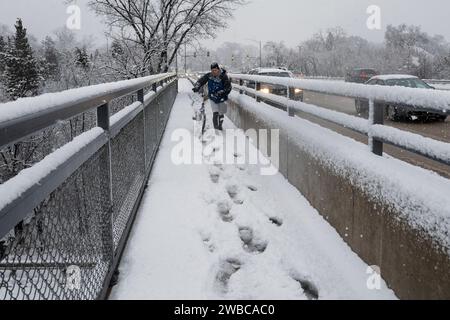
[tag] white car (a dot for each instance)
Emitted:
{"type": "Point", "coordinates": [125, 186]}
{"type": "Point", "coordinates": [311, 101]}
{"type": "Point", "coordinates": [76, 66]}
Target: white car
{"type": "Point", "coordinates": [296, 94]}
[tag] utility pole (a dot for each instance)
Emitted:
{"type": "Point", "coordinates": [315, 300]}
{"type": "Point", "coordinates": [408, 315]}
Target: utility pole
{"type": "Point", "coordinates": [260, 54]}
{"type": "Point", "coordinates": [260, 51]}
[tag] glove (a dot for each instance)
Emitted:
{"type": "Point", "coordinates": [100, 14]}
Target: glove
{"type": "Point", "coordinates": [221, 93]}
{"type": "Point", "coordinates": [195, 89]}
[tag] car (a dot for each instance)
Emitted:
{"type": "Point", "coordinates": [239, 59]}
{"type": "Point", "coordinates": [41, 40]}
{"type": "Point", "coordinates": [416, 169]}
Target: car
{"type": "Point", "coordinates": [360, 75]}
{"type": "Point", "coordinates": [398, 112]}
{"type": "Point", "coordinates": [296, 93]}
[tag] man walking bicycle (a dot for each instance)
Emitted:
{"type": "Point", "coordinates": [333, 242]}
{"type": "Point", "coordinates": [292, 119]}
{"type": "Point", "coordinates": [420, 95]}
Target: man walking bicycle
{"type": "Point", "coordinates": [219, 87]}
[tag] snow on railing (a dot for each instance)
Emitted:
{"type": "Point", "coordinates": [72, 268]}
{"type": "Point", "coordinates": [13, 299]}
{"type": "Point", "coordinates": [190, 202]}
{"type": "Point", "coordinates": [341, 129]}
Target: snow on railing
{"type": "Point", "coordinates": [351, 122]}
{"type": "Point", "coordinates": [431, 148]}
{"type": "Point", "coordinates": [321, 78]}
{"type": "Point", "coordinates": [434, 101]}
{"type": "Point", "coordinates": [15, 188]}
{"type": "Point", "coordinates": [415, 194]}
{"type": "Point", "coordinates": [21, 118]}
{"type": "Point", "coordinates": [427, 99]}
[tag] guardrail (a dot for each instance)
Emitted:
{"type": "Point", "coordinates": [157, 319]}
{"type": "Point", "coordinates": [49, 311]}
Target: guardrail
{"type": "Point", "coordinates": [436, 81]}
{"type": "Point", "coordinates": [429, 81]}
{"type": "Point", "coordinates": [378, 97]}
{"type": "Point", "coordinates": [320, 78]}
{"type": "Point", "coordinates": [65, 221]}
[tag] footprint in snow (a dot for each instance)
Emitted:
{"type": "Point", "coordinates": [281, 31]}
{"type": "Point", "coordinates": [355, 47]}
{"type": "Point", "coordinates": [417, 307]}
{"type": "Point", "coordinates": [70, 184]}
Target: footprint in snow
{"type": "Point", "coordinates": [276, 221]}
{"type": "Point", "coordinates": [251, 244]}
{"type": "Point", "coordinates": [214, 174]}
{"type": "Point", "coordinates": [309, 288]}
{"type": "Point", "coordinates": [224, 210]}
{"type": "Point", "coordinates": [233, 192]}
{"type": "Point", "coordinates": [207, 241]}
{"type": "Point", "coordinates": [226, 270]}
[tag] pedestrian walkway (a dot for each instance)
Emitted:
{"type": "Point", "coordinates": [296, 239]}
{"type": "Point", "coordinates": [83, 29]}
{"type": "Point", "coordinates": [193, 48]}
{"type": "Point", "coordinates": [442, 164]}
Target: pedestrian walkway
{"type": "Point", "coordinates": [224, 231]}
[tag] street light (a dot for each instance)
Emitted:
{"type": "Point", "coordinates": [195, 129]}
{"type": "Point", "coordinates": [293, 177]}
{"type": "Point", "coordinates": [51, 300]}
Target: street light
{"type": "Point", "coordinates": [260, 50]}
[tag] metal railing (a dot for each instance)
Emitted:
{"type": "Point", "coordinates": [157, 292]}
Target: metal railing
{"type": "Point", "coordinates": [377, 96]}
{"type": "Point", "coordinates": [62, 236]}
{"type": "Point", "coordinates": [436, 81]}
{"type": "Point", "coordinates": [432, 82]}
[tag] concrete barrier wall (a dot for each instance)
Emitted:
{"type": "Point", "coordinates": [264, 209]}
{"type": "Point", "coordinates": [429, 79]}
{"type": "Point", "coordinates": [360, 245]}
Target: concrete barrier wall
{"type": "Point", "coordinates": [410, 262]}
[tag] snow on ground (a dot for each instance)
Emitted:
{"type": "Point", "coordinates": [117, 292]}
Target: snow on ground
{"type": "Point", "coordinates": [217, 231]}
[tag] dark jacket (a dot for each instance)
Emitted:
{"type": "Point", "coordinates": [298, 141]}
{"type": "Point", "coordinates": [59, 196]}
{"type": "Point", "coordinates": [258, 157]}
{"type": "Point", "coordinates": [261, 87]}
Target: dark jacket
{"type": "Point", "coordinates": [218, 88]}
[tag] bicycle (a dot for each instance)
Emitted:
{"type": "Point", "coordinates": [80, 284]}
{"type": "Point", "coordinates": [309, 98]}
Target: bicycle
{"type": "Point", "coordinates": [199, 113]}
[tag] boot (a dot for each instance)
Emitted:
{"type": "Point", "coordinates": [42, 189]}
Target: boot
{"type": "Point", "coordinates": [221, 120]}
{"type": "Point", "coordinates": [216, 120]}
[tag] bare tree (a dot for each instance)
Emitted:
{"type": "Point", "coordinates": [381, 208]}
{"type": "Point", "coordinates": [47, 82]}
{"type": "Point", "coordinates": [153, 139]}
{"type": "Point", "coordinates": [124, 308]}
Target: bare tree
{"type": "Point", "coordinates": [150, 32]}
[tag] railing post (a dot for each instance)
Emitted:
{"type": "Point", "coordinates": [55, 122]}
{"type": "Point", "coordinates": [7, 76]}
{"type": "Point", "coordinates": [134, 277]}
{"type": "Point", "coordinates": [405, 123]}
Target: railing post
{"type": "Point", "coordinates": [140, 97]}
{"type": "Point", "coordinates": [258, 89]}
{"type": "Point", "coordinates": [103, 117]}
{"type": "Point", "coordinates": [107, 236]}
{"type": "Point", "coordinates": [290, 110]}
{"type": "Point", "coordinates": [241, 84]}
{"type": "Point", "coordinates": [376, 116]}
{"type": "Point", "coordinates": [154, 87]}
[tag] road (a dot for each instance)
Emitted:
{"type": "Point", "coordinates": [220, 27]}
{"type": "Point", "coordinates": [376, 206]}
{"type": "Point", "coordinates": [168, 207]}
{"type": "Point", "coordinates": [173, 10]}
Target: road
{"type": "Point", "coordinates": [436, 130]}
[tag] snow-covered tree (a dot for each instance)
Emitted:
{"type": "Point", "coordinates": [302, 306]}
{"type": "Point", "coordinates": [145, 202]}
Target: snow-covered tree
{"type": "Point", "coordinates": [2, 55]}
{"type": "Point", "coordinates": [276, 54]}
{"type": "Point", "coordinates": [82, 58]}
{"type": "Point", "coordinates": [151, 32]}
{"type": "Point", "coordinates": [21, 70]}
{"type": "Point", "coordinates": [50, 60]}
{"type": "Point", "coordinates": [442, 67]}
{"type": "Point", "coordinates": [410, 50]}
{"type": "Point", "coordinates": [2, 68]}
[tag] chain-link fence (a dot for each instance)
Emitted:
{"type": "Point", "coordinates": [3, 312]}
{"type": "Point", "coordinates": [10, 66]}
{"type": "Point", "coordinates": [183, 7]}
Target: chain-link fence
{"type": "Point", "coordinates": [69, 244]}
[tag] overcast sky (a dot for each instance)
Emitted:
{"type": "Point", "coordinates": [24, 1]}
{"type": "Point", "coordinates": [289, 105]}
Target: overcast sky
{"type": "Point", "coordinates": [291, 21]}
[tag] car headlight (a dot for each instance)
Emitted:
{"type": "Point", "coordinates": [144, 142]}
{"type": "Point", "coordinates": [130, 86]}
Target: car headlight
{"type": "Point", "coordinates": [298, 90]}
{"type": "Point", "coordinates": [265, 90]}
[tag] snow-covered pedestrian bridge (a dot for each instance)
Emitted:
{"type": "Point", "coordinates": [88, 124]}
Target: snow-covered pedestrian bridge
{"type": "Point", "coordinates": [334, 216]}
{"type": "Point", "coordinates": [226, 231]}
